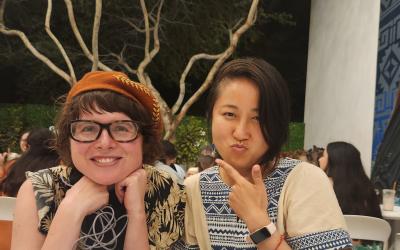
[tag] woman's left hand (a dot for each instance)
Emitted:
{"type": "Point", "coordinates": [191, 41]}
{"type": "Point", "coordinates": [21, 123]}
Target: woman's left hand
{"type": "Point", "coordinates": [131, 191]}
{"type": "Point", "coordinates": [248, 198]}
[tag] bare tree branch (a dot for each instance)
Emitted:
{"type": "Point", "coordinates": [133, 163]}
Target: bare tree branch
{"type": "Point", "coordinates": [36, 53]}
{"type": "Point", "coordinates": [2, 7]}
{"type": "Point", "coordinates": [147, 28]}
{"type": "Point", "coordinates": [155, 92]}
{"type": "Point", "coordinates": [152, 30]}
{"type": "Point", "coordinates": [95, 35]}
{"type": "Point", "coordinates": [130, 22]}
{"type": "Point", "coordinates": [133, 25]}
{"type": "Point", "coordinates": [152, 10]}
{"type": "Point", "coordinates": [251, 17]}
{"type": "Point", "coordinates": [75, 30]}
{"type": "Point", "coordinates": [30, 47]}
{"type": "Point", "coordinates": [57, 42]}
{"type": "Point", "coordinates": [71, 17]}
{"type": "Point", "coordinates": [237, 24]}
{"type": "Point", "coordinates": [121, 60]}
{"type": "Point", "coordinates": [156, 39]}
{"type": "Point", "coordinates": [149, 55]}
{"type": "Point", "coordinates": [182, 81]}
{"type": "Point", "coordinates": [166, 112]}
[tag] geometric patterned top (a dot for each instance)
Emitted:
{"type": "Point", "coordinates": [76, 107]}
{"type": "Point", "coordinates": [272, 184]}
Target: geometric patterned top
{"type": "Point", "coordinates": [227, 231]}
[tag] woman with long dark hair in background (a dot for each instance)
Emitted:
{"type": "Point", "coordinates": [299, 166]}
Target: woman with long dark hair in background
{"type": "Point", "coordinates": [354, 190]}
{"type": "Point", "coordinates": [40, 154]}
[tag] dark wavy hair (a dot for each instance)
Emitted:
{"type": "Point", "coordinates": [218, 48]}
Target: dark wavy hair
{"type": "Point", "coordinates": [39, 155]}
{"type": "Point", "coordinates": [273, 104]}
{"type": "Point", "coordinates": [353, 188]}
{"type": "Point", "coordinates": [98, 101]}
{"type": "Point", "coordinates": [169, 151]}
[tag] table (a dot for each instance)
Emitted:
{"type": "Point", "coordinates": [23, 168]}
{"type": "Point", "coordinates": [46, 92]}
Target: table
{"type": "Point", "coordinates": [391, 215]}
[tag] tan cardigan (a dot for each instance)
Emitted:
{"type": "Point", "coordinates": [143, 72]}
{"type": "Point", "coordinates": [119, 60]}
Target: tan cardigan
{"type": "Point", "coordinates": [307, 204]}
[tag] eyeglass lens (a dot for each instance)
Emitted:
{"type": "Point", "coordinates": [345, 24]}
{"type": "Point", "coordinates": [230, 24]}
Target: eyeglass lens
{"type": "Point", "coordinates": [87, 131]}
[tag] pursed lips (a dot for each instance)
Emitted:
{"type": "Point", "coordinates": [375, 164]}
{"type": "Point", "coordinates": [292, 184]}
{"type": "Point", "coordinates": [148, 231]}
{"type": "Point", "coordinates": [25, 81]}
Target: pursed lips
{"type": "Point", "coordinates": [239, 147]}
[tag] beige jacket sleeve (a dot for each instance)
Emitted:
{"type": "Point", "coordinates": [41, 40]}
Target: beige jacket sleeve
{"type": "Point", "coordinates": [308, 203]}
{"type": "Point", "coordinates": [196, 232]}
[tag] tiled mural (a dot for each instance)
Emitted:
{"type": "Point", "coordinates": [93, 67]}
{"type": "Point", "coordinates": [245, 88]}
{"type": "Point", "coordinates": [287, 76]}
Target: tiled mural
{"type": "Point", "coordinates": [388, 69]}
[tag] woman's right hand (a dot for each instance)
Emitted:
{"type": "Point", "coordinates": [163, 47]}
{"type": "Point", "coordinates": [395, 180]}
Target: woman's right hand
{"type": "Point", "coordinates": [86, 196]}
{"type": "Point", "coordinates": [248, 198]}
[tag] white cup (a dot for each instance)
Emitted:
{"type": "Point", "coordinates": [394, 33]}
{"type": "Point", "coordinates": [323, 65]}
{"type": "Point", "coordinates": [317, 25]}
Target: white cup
{"type": "Point", "coordinates": [388, 199]}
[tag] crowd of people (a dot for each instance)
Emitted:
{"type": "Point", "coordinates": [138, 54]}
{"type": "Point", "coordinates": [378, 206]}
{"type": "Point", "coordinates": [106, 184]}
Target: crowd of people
{"type": "Point", "coordinates": [107, 180]}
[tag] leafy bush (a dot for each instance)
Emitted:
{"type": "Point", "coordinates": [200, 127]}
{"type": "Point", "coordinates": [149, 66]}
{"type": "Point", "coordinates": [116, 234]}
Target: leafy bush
{"type": "Point", "coordinates": [191, 137]}
{"type": "Point", "coordinates": [296, 137]}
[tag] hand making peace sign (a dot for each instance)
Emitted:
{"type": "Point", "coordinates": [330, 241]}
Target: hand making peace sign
{"type": "Point", "coordinates": [247, 198]}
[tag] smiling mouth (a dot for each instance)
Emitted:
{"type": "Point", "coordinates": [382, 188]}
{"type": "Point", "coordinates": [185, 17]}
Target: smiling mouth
{"type": "Point", "coordinates": [105, 160]}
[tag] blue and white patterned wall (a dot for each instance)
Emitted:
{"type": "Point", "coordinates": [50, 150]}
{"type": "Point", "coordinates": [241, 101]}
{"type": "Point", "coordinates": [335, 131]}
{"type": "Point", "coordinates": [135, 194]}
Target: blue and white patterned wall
{"type": "Point", "coordinates": [388, 69]}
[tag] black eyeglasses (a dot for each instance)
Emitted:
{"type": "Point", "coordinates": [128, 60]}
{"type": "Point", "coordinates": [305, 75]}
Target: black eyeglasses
{"type": "Point", "coordinates": [89, 131]}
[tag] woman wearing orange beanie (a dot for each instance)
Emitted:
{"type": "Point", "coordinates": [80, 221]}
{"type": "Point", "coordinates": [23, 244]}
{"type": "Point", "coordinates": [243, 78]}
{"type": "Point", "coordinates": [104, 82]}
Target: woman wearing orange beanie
{"type": "Point", "coordinates": [106, 195]}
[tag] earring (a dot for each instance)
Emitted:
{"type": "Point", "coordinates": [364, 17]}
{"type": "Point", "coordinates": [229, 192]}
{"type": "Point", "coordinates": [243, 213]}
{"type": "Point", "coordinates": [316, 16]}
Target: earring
{"type": "Point", "coordinates": [214, 150]}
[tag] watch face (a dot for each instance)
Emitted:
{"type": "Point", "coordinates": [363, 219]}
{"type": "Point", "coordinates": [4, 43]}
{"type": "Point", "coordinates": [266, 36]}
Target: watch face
{"type": "Point", "coordinates": [260, 235]}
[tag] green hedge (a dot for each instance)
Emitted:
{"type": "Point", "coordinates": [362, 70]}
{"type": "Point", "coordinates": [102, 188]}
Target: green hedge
{"type": "Point", "coordinates": [296, 137]}
{"type": "Point", "coordinates": [191, 135]}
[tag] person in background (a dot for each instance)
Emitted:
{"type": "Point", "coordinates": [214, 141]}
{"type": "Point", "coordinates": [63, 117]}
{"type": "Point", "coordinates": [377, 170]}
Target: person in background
{"type": "Point", "coordinates": [167, 162]}
{"type": "Point", "coordinates": [7, 159]}
{"type": "Point", "coordinates": [23, 142]}
{"type": "Point", "coordinates": [313, 155]}
{"type": "Point", "coordinates": [40, 154]}
{"type": "Point", "coordinates": [204, 162]}
{"type": "Point", "coordinates": [354, 190]}
{"type": "Point", "coordinates": [252, 199]}
{"type": "Point", "coordinates": [208, 150]}
{"type": "Point", "coordinates": [106, 195]}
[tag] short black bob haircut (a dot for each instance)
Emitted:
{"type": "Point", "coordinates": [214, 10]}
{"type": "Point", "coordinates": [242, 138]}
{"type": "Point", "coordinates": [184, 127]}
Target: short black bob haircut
{"type": "Point", "coordinates": [274, 104]}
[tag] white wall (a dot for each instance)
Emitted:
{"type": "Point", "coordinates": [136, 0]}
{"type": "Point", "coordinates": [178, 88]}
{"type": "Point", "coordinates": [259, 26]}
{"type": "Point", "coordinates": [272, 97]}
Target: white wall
{"type": "Point", "coordinates": [341, 73]}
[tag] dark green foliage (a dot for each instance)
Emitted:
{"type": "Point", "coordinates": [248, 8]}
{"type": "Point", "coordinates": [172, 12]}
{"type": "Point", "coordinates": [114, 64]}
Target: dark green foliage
{"type": "Point", "coordinates": [191, 137]}
{"type": "Point", "coordinates": [16, 119]}
{"type": "Point", "coordinates": [296, 137]}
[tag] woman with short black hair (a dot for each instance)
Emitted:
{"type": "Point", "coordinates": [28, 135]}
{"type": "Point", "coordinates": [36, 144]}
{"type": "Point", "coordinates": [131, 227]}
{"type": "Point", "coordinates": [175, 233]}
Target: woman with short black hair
{"type": "Point", "coordinates": [253, 199]}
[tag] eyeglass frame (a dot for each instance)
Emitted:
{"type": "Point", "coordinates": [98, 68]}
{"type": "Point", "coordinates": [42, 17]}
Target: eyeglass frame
{"type": "Point", "coordinates": [103, 126]}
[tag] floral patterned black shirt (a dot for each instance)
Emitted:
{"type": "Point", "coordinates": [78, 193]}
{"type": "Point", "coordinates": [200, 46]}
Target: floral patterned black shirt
{"type": "Point", "coordinates": [164, 202]}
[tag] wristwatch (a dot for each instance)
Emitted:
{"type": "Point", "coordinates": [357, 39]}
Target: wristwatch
{"type": "Point", "coordinates": [261, 234]}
